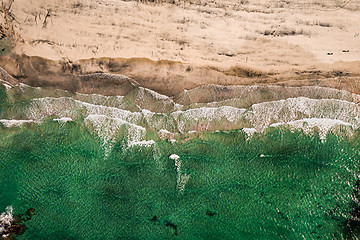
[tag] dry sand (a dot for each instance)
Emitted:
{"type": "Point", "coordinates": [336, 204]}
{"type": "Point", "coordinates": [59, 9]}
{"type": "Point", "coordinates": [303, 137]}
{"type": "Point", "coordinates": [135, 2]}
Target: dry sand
{"type": "Point", "coordinates": [180, 45]}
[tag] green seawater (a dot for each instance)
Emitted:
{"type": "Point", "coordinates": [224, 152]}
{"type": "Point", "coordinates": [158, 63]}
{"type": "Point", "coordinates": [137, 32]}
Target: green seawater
{"type": "Point", "coordinates": [300, 187]}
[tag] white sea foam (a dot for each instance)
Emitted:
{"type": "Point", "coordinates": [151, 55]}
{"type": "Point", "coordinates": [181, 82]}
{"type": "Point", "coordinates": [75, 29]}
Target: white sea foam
{"type": "Point", "coordinates": [47, 106]}
{"type": "Point", "coordinates": [249, 131]}
{"type": "Point", "coordinates": [111, 112]}
{"type": "Point", "coordinates": [7, 86]}
{"type": "Point", "coordinates": [308, 124]}
{"type": "Point", "coordinates": [260, 115]}
{"type": "Point", "coordinates": [144, 143]}
{"type": "Point", "coordinates": [68, 107]}
{"type": "Point", "coordinates": [204, 116]}
{"type": "Point", "coordinates": [98, 99]}
{"type": "Point", "coordinates": [6, 219]}
{"type": "Point", "coordinates": [13, 122]}
{"type": "Point", "coordinates": [108, 128]}
{"type": "Point", "coordinates": [181, 178]}
{"type": "Point", "coordinates": [263, 114]}
{"type": "Point", "coordinates": [174, 157]}
{"type": "Point", "coordinates": [164, 131]}
{"type": "Point", "coordinates": [63, 119]}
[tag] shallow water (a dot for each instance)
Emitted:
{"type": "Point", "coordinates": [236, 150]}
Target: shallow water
{"type": "Point", "coordinates": [275, 185]}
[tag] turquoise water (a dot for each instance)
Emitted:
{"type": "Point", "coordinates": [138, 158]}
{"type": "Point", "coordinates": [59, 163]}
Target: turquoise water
{"type": "Point", "coordinates": [276, 185]}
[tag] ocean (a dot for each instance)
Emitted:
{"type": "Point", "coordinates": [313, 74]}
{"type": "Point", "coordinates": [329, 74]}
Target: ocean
{"type": "Point", "coordinates": [277, 184]}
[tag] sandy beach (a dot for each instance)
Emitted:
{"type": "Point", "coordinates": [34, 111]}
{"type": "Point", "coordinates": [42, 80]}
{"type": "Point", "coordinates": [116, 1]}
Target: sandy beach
{"type": "Point", "coordinates": [172, 46]}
